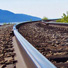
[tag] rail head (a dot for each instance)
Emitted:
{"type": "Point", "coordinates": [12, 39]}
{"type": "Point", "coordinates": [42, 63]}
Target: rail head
{"type": "Point", "coordinates": [38, 59]}
{"type": "Point", "coordinates": [55, 23]}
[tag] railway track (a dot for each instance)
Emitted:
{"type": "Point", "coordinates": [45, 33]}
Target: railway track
{"type": "Point", "coordinates": [39, 45]}
{"type": "Point", "coordinates": [33, 58]}
{"type": "Point", "coordinates": [50, 39]}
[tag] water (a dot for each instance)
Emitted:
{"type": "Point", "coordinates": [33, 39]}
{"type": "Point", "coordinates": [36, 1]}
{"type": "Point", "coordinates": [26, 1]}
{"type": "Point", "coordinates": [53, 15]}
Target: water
{"type": "Point", "coordinates": [10, 23]}
{"type": "Point", "coordinates": [1, 23]}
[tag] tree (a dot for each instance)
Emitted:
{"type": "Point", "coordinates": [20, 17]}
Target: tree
{"type": "Point", "coordinates": [64, 18]}
{"type": "Point", "coordinates": [45, 18]}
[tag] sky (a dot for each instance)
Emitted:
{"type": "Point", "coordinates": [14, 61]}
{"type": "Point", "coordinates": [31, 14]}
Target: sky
{"type": "Point", "coordinates": [51, 9]}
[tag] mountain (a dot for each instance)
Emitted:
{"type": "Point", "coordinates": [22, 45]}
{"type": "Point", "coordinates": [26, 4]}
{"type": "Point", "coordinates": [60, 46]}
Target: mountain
{"type": "Point", "coordinates": [7, 16]}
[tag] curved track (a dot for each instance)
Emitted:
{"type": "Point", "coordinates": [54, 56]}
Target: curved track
{"type": "Point", "coordinates": [36, 44]}
{"type": "Point", "coordinates": [36, 59]}
{"type": "Point", "coordinates": [48, 38]}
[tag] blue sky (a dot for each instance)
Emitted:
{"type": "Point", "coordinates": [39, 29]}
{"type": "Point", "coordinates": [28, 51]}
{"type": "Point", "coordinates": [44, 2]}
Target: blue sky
{"type": "Point", "coordinates": [39, 8]}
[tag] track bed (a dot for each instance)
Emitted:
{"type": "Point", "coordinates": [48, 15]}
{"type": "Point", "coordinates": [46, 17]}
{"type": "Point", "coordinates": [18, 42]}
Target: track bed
{"type": "Point", "coordinates": [7, 55]}
{"type": "Point", "coordinates": [51, 40]}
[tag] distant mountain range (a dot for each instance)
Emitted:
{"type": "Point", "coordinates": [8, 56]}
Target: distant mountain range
{"type": "Point", "coordinates": [7, 16]}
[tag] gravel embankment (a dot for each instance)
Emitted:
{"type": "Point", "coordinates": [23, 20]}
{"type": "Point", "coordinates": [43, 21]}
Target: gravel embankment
{"type": "Point", "coordinates": [50, 40]}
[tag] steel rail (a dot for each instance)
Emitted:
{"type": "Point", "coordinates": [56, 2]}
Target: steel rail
{"type": "Point", "coordinates": [55, 23]}
{"type": "Point", "coordinates": [36, 57]}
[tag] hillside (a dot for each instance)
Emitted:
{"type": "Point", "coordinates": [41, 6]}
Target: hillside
{"type": "Point", "coordinates": [7, 16]}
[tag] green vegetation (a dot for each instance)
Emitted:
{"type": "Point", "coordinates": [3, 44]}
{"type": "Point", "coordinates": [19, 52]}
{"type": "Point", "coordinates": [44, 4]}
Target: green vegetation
{"type": "Point", "coordinates": [7, 23]}
{"type": "Point", "coordinates": [64, 18]}
{"type": "Point", "coordinates": [30, 19]}
{"type": "Point", "coordinates": [45, 18]}
{"type": "Point", "coordinates": [4, 23]}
